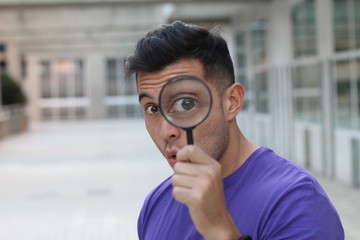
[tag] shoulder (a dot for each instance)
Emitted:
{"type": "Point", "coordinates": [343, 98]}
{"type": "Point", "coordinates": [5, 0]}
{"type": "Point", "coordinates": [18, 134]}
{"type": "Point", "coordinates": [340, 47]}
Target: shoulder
{"type": "Point", "coordinates": [294, 199]}
{"type": "Point", "coordinates": [155, 197]}
{"type": "Point", "coordinates": [277, 177]}
{"type": "Point", "coordinates": [268, 166]}
{"type": "Point", "coordinates": [266, 173]}
{"type": "Point", "coordinates": [157, 193]}
{"type": "Point", "coordinates": [153, 200]}
{"type": "Point", "coordinates": [302, 205]}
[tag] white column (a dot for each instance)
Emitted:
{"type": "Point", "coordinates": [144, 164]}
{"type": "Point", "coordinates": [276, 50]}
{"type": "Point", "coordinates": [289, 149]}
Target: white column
{"type": "Point", "coordinates": [71, 88]}
{"type": "Point", "coordinates": [325, 49]}
{"type": "Point", "coordinates": [280, 57]}
{"type": "Point", "coordinates": [33, 89]}
{"type": "Point", "coordinates": [280, 40]}
{"type": "Point", "coordinates": [54, 89]}
{"type": "Point", "coordinates": [95, 83]}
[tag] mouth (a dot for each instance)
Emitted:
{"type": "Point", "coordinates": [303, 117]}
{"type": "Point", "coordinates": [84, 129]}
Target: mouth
{"type": "Point", "coordinates": [171, 157]}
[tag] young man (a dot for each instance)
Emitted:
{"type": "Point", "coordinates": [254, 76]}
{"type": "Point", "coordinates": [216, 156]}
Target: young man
{"type": "Point", "coordinates": [224, 186]}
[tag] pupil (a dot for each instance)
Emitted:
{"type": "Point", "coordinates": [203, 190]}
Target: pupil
{"type": "Point", "coordinates": [188, 104]}
{"type": "Point", "coordinates": [153, 109]}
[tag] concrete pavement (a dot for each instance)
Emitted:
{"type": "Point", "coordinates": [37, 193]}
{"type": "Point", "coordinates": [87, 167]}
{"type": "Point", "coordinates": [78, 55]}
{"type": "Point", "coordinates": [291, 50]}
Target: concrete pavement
{"type": "Point", "coordinates": [76, 181]}
{"type": "Point", "coordinates": [87, 180]}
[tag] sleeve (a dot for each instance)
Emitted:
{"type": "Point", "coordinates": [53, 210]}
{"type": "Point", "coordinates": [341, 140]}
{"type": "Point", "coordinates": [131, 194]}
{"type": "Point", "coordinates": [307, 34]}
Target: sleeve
{"type": "Point", "coordinates": [143, 225]}
{"type": "Point", "coordinates": [140, 223]}
{"type": "Point", "coordinates": [303, 212]}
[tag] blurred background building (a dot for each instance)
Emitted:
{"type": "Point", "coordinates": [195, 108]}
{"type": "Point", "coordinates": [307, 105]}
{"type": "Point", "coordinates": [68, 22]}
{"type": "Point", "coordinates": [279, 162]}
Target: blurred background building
{"type": "Point", "coordinates": [299, 61]}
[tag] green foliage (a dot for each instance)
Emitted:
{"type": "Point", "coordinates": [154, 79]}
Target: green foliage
{"type": "Point", "coordinates": [11, 91]}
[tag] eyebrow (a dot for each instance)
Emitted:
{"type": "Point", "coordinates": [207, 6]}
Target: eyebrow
{"type": "Point", "coordinates": [141, 96]}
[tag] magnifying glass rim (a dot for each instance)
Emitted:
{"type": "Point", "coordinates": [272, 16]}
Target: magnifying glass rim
{"type": "Point", "coordinates": [179, 78]}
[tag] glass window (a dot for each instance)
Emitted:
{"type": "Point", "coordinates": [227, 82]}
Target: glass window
{"type": "Point", "coordinates": [23, 65]}
{"type": "Point", "coordinates": [112, 88]}
{"type": "Point", "coordinates": [130, 86]}
{"type": "Point", "coordinates": [64, 113]}
{"type": "Point", "coordinates": [306, 93]}
{"type": "Point", "coordinates": [355, 150]}
{"type": "Point", "coordinates": [241, 78]}
{"type": "Point", "coordinates": [346, 24]}
{"type": "Point", "coordinates": [124, 111]}
{"type": "Point", "coordinates": [343, 93]}
{"type": "Point", "coordinates": [113, 111]}
{"type": "Point", "coordinates": [304, 29]}
{"type": "Point", "coordinates": [261, 92]}
{"type": "Point", "coordinates": [341, 25]}
{"type": "Point", "coordinates": [79, 78]}
{"type": "Point", "coordinates": [347, 85]}
{"type": "Point", "coordinates": [66, 80]}
{"type": "Point", "coordinates": [63, 79]}
{"type": "Point", "coordinates": [62, 69]}
{"type": "Point", "coordinates": [116, 82]}
{"type": "Point", "coordinates": [240, 49]}
{"type": "Point", "coordinates": [80, 112]}
{"type": "Point", "coordinates": [45, 79]}
{"type": "Point", "coordinates": [118, 85]}
{"type": "Point", "coordinates": [357, 22]}
{"type": "Point", "coordinates": [46, 113]}
{"type": "Point", "coordinates": [258, 42]}
{"type": "Point", "coordinates": [2, 59]}
{"type": "Point", "coordinates": [70, 78]}
{"type": "Point", "coordinates": [241, 64]}
{"type": "Point", "coordinates": [358, 90]}
{"type": "Point", "coordinates": [131, 111]}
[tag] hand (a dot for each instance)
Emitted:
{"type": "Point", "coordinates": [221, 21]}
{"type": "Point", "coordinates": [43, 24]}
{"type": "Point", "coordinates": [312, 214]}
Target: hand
{"type": "Point", "coordinates": [198, 184]}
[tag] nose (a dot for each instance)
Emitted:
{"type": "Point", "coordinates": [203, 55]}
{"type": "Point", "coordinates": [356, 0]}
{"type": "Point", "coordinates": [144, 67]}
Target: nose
{"type": "Point", "coordinates": [168, 131]}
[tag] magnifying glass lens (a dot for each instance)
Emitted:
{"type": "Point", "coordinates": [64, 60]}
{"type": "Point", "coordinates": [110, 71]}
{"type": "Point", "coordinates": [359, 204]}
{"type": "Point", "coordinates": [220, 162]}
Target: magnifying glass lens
{"type": "Point", "coordinates": [185, 101]}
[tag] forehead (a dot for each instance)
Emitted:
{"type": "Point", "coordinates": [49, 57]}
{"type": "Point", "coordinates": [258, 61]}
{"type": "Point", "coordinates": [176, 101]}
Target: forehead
{"type": "Point", "coordinates": [151, 82]}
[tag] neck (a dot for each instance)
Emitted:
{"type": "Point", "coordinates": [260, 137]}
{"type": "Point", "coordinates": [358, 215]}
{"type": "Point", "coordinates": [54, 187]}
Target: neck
{"type": "Point", "coordinates": [237, 152]}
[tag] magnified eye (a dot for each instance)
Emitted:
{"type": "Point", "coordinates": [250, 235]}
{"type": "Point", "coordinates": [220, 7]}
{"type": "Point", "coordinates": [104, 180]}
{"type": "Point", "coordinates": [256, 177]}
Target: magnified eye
{"type": "Point", "coordinates": [184, 104]}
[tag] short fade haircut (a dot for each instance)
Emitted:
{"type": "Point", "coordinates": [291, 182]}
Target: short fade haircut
{"type": "Point", "coordinates": [179, 41]}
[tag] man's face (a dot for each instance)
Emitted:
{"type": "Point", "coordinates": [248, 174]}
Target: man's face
{"type": "Point", "coordinates": [211, 135]}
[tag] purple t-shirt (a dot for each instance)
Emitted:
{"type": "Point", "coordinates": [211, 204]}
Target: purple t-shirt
{"type": "Point", "coordinates": [268, 197]}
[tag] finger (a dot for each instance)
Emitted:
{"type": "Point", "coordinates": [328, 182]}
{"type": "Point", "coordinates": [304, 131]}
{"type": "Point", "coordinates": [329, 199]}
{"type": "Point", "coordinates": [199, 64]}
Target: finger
{"type": "Point", "coordinates": [182, 181]}
{"type": "Point", "coordinates": [194, 154]}
{"type": "Point", "coordinates": [181, 194]}
{"type": "Point", "coordinates": [186, 168]}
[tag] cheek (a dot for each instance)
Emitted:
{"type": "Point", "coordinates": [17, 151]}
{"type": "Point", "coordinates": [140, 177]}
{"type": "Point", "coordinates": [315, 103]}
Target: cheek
{"type": "Point", "coordinates": [212, 135]}
{"type": "Point", "coordinates": [151, 128]}
{"type": "Point", "coordinates": [153, 132]}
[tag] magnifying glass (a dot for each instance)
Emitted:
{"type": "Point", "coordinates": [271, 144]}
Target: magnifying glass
{"type": "Point", "coordinates": [185, 101]}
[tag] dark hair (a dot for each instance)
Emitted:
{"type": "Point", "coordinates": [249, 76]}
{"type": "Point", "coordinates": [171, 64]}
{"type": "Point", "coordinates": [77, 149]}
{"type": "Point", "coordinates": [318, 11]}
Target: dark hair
{"type": "Point", "coordinates": [177, 41]}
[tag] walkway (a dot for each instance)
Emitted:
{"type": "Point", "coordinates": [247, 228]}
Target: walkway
{"type": "Point", "coordinates": [87, 181]}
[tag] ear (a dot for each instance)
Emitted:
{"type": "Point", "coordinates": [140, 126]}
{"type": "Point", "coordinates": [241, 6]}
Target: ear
{"type": "Point", "coordinates": [234, 100]}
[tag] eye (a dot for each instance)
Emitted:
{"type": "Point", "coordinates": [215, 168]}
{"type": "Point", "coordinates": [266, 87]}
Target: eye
{"type": "Point", "coordinates": [184, 104]}
{"type": "Point", "coordinates": [152, 109]}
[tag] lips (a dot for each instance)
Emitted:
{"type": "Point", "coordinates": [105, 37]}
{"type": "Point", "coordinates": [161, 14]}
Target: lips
{"type": "Point", "coordinates": [171, 156]}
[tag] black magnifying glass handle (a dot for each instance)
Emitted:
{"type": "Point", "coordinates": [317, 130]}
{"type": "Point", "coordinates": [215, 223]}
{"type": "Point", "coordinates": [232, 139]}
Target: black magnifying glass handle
{"type": "Point", "coordinates": [189, 135]}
